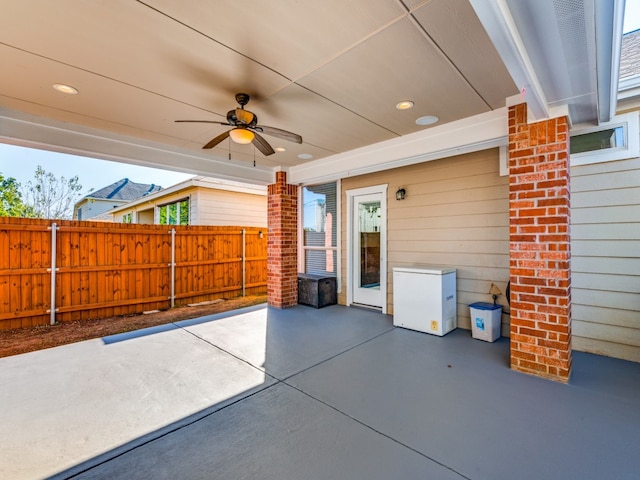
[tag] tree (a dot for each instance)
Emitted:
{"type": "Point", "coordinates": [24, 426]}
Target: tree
{"type": "Point", "coordinates": [52, 197]}
{"type": "Point", "coordinates": [11, 204]}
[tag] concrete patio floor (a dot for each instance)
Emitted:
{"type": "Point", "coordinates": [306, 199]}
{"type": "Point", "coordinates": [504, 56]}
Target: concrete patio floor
{"type": "Point", "coordinates": [335, 393]}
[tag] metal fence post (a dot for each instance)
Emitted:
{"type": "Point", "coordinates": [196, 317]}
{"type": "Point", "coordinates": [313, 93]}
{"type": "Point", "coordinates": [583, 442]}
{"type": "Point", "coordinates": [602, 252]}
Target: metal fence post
{"type": "Point", "coordinates": [54, 228]}
{"type": "Point", "coordinates": [173, 267]}
{"type": "Point", "coordinates": [244, 260]}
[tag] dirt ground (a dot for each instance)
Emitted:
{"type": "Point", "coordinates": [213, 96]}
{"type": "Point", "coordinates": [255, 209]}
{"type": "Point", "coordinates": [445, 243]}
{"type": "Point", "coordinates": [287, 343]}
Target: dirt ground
{"type": "Point", "coordinates": [14, 342]}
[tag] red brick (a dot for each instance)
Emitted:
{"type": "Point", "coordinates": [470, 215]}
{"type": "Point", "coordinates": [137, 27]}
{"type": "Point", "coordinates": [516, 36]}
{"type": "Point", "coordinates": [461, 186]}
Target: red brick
{"type": "Point", "coordinates": [540, 307]}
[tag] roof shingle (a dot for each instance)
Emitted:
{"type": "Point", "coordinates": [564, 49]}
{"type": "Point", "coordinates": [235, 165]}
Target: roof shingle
{"type": "Point", "coordinates": [630, 55]}
{"type": "Point", "coordinates": [125, 190]}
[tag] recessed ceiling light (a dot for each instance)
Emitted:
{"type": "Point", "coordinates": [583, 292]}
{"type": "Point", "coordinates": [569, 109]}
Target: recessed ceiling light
{"type": "Point", "coordinates": [280, 149]}
{"type": "Point", "coordinates": [404, 105]}
{"type": "Point", "coordinates": [427, 120]}
{"type": "Point", "coordinates": [68, 89]}
{"type": "Point", "coordinates": [305, 156]}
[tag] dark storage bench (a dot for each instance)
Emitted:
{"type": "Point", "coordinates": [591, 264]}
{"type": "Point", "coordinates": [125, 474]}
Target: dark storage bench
{"type": "Point", "coordinates": [316, 290]}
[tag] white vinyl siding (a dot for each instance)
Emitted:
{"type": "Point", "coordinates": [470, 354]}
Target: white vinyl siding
{"type": "Point", "coordinates": [456, 213]}
{"type": "Point", "coordinates": [220, 207]}
{"type": "Point", "coordinates": [605, 246]}
{"type": "Point", "coordinates": [208, 206]}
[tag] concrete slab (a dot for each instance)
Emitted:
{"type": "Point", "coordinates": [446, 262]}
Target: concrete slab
{"type": "Point", "coordinates": [66, 405]}
{"type": "Point", "coordinates": [455, 400]}
{"type": "Point", "coordinates": [277, 434]}
{"type": "Point", "coordinates": [285, 342]}
{"type": "Point", "coordinates": [365, 401]}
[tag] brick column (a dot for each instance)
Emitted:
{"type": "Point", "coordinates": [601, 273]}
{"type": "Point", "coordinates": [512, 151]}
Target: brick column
{"type": "Point", "coordinates": [539, 204]}
{"type": "Point", "coordinates": [282, 246]}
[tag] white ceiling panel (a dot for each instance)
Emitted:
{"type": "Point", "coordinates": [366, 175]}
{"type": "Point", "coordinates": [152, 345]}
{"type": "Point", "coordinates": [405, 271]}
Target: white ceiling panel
{"type": "Point", "coordinates": [329, 71]}
{"type": "Point", "coordinates": [290, 36]}
{"type": "Point", "coordinates": [398, 63]}
{"type": "Point", "coordinates": [455, 28]}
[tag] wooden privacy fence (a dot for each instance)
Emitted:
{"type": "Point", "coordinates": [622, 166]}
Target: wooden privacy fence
{"type": "Point", "coordinates": [58, 271]}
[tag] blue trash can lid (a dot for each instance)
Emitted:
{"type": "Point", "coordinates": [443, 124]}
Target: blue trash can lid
{"type": "Point", "coordinates": [485, 306]}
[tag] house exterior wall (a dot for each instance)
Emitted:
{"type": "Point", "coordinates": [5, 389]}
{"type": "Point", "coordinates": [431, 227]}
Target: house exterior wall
{"type": "Point", "coordinates": [606, 258]}
{"type": "Point", "coordinates": [221, 207]}
{"type": "Point", "coordinates": [95, 206]}
{"type": "Point", "coordinates": [456, 213]}
{"type": "Point", "coordinates": [209, 207]}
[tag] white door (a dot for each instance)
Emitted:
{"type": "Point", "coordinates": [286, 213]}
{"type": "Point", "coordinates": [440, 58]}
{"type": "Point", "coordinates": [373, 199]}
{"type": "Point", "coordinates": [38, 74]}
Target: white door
{"type": "Point", "coordinates": [368, 239]}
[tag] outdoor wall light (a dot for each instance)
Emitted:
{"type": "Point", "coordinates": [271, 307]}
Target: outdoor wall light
{"type": "Point", "coordinates": [401, 193]}
{"type": "Point", "coordinates": [260, 234]}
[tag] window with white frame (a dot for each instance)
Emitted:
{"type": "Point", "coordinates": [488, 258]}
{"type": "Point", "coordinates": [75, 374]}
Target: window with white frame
{"type": "Point", "coordinates": [618, 139]}
{"type": "Point", "coordinates": [175, 213]}
{"type": "Point", "coordinates": [319, 214]}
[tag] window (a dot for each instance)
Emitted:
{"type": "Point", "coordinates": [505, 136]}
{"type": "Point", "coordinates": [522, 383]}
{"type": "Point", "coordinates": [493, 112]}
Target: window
{"type": "Point", "coordinates": [319, 229]}
{"type": "Point", "coordinates": [598, 140]}
{"type": "Point", "coordinates": [127, 218]}
{"type": "Point", "coordinates": [615, 140]}
{"type": "Point", "coordinates": [176, 213]}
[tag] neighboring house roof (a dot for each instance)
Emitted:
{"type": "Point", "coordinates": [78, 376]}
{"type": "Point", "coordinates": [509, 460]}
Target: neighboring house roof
{"type": "Point", "coordinates": [125, 190]}
{"type": "Point", "coordinates": [630, 55]}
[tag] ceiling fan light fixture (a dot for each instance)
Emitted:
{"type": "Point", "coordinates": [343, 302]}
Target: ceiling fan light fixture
{"type": "Point", "coordinates": [241, 136]}
{"type": "Point", "coordinates": [280, 149]}
{"type": "Point", "coordinates": [404, 105]}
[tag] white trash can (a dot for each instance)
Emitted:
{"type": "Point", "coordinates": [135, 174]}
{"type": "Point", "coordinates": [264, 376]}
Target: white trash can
{"type": "Point", "coordinates": [486, 320]}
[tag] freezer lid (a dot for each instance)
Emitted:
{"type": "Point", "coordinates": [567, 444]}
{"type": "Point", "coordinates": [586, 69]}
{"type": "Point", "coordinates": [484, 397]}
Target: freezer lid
{"type": "Point", "coordinates": [426, 269]}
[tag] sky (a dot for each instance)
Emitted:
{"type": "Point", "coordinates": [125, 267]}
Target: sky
{"type": "Point", "coordinates": [21, 163]}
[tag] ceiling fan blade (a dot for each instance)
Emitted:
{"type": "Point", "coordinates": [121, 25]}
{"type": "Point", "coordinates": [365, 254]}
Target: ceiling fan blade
{"type": "Point", "coordinates": [217, 140]}
{"type": "Point", "coordinates": [201, 121]}
{"type": "Point", "coordinates": [262, 145]}
{"type": "Point", "coordinates": [279, 133]}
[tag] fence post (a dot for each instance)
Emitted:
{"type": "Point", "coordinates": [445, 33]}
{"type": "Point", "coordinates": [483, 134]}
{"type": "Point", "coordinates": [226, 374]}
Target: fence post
{"type": "Point", "coordinates": [173, 267]}
{"type": "Point", "coordinates": [54, 255]}
{"type": "Point", "coordinates": [244, 260]}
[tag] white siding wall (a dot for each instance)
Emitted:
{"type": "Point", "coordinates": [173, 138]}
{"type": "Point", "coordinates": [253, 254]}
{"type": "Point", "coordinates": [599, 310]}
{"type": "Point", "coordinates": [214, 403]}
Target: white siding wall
{"type": "Point", "coordinates": [213, 207]}
{"type": "Point", "coordinates": [220, 207]}
{"type": "Point", "coordinates": [94, 207]}
{"type": "Point", "coordinates": [456, 213]}
{"type": "Point", "coordinates": [605, 234]}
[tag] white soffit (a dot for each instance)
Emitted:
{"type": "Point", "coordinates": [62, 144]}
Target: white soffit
{"type": "Point", "coordinates": [500, 25]}
{"type": "Point", "coordinates": [559, 52]}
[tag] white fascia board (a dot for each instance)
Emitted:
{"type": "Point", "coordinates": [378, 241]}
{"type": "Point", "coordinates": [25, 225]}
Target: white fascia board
{"type": "Point", "coordinates": [230, 186]}
{"type": "Point", "coordinates": [609, 26]}
{"type": "Point", "coordinates": [501, 28]}
{"type": "Point", "coordinates": [26, 130]}
{"type": "Point", "coordinates": [628, 87]}
{"type": "Point", "coordinates": [480, 132]}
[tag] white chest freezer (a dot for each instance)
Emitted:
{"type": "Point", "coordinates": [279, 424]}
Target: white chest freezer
{"type": "Point", "coordinates": [424, 299]}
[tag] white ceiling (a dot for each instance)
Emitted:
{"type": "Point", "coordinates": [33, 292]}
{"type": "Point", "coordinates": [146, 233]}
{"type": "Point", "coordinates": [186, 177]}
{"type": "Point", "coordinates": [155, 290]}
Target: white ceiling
{"type": "Point", "coordinates": [331, 71]}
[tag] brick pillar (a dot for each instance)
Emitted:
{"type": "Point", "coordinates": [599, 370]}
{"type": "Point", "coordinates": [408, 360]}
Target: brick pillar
{"type": "Point", "coordinates": [282, 246]}
{"type": "Point", "coordinates": [539, 204]}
